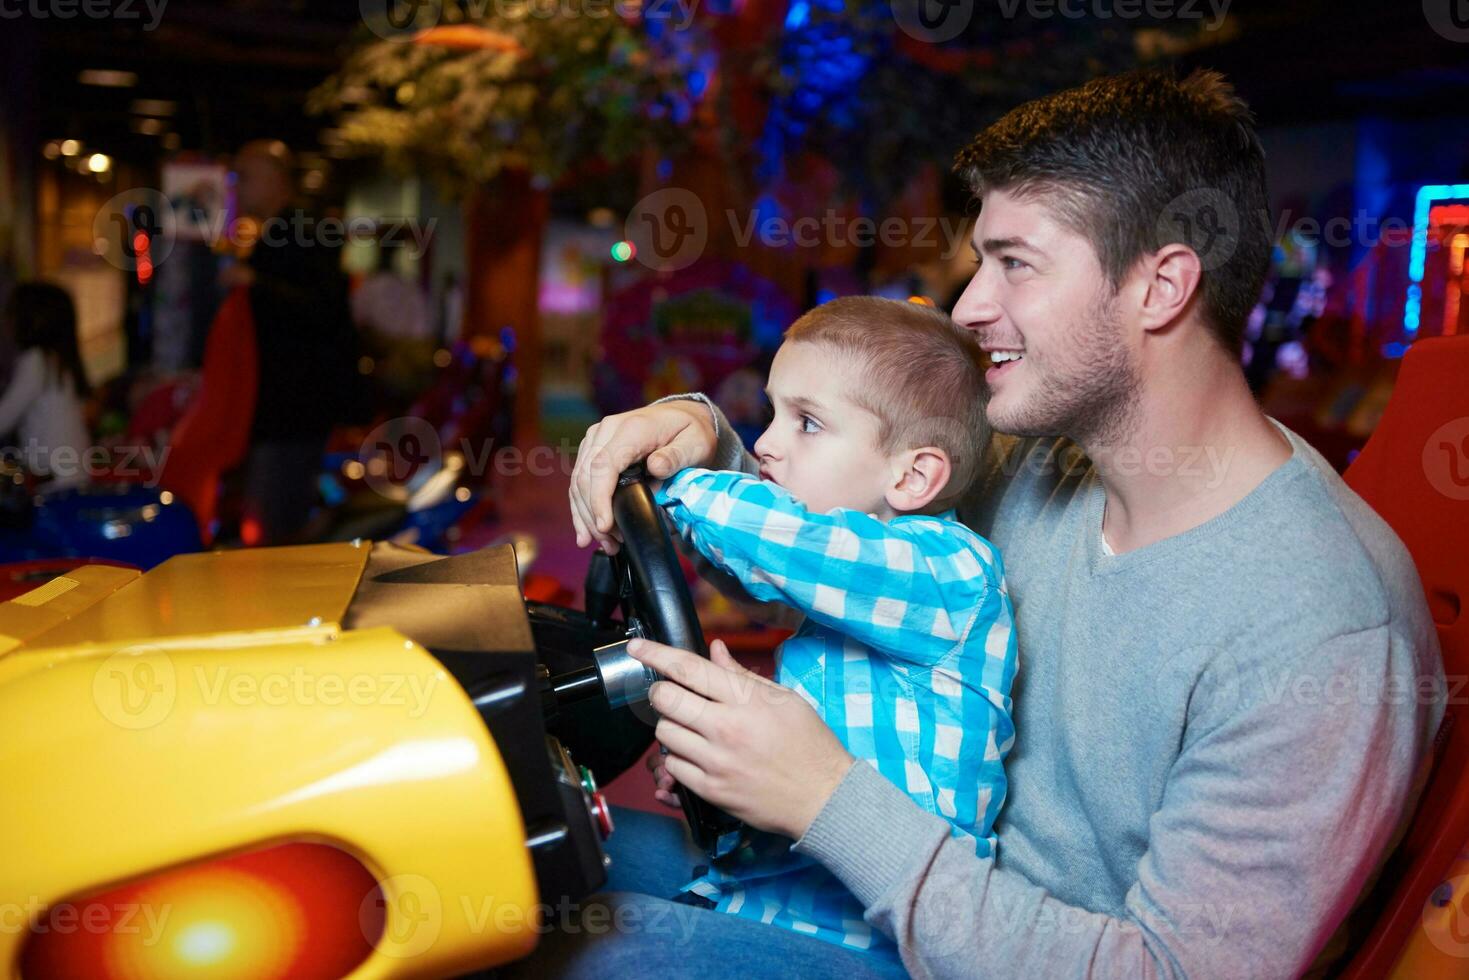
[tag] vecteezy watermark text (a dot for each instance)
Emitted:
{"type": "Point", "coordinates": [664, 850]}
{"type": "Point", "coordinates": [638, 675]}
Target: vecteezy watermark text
{"type": "Point", "coordinates": [139, 690]}
{"type": "Point", "coordinates": [397, 20]}
{"type": "Point", "coordinates": [937, 21]}
{"type": "Point", "coordinates": [140, 464]}
{"type": "Point", "coordinates": [93, 918]}
{"type": "Point", "coordinates": [87, 9]}
{"type": "Point", "coordinates": [670, 228]}
{"type": "Point", "coordinates": [142, 222]}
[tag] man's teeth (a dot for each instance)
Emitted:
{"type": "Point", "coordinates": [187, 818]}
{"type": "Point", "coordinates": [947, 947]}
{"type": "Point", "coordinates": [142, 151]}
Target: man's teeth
{"type": "Point", "coordinates": [1001, 356]}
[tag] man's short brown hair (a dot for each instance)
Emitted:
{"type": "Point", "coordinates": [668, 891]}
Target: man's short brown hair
{"type": "Point", "coordinates": [921, 374]}
{"type": "Point", "coordinates": [1114, 157]}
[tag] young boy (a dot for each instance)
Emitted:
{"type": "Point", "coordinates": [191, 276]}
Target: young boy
{"type": "Point", "coordinates": [907, 649]}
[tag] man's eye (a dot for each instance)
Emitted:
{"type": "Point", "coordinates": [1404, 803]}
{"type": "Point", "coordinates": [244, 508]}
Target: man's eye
{"type": "Point", "coordinates": [1010, 264]}
{"type": "Point", "coordinates": [809, 425]}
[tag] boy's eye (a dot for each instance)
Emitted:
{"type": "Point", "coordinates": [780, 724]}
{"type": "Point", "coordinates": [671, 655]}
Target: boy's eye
{"type": "Point", "coordinates": [809, 425]}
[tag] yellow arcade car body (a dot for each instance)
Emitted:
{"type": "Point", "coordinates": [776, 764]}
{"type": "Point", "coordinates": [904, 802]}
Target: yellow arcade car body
{"type": "Point", "coordinates": [211, 770]}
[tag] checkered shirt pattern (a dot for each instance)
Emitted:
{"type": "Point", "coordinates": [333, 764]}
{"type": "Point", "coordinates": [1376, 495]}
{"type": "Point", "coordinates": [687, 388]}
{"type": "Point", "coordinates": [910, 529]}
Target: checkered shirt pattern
{"type": "Point", "coordinates": [907, 651]}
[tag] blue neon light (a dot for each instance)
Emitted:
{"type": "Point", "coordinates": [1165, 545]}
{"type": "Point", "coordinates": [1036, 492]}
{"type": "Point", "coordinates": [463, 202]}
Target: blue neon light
{"type": "Point", "coordinates": [1428, 195]}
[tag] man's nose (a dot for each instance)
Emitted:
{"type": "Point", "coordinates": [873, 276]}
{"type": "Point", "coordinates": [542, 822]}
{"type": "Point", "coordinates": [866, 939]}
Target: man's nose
{"type": "Point", "coordinates": [977, 306]}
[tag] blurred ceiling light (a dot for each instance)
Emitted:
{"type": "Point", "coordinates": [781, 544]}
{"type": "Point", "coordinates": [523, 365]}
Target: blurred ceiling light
{"type": "Point", "coordinates": [601, 218]}
{"type": "Point", "coordinates": [469, 37]}
{"type": "Point", "coordinates": [406, 92]}
{"type": "Point", "coordinates": [154, 107]}
{"type": "Point", "coordinates": [99, 163]}
{"type": "Point", "coordinates": [149, 127]}
{"type": "Point", "coordinates": [51, 150]}
{"type": "Point", "coordinates": [171, 141]}
{"type": "Point", "coordinates": [313, 180]}
{"type": "Point", "coordinates": [108, 78]}
{"type": "Point", "coordinates": [70, 148]}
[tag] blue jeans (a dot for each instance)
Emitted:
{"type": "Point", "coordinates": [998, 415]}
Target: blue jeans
{"type": "Point", "coordinates": [633, 930]}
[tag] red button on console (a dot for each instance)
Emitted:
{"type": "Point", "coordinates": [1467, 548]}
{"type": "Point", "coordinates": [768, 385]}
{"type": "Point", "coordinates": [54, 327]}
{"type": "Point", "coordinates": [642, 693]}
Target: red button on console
{"type": "Point", "coordinates": [603, 813]}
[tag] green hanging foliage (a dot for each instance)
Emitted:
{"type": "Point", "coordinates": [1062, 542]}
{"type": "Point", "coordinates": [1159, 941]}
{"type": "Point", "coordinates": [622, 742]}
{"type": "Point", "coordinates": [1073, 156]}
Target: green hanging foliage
{"type": "Point", "coordinates": [470, 95]}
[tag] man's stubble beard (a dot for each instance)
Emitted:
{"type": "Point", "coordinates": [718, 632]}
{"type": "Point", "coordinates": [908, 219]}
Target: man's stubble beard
{"type": "Point", "coordinates": [1093, 398]}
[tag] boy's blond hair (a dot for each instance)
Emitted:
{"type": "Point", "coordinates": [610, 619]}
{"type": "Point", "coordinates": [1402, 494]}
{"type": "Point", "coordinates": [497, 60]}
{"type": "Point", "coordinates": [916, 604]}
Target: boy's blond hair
{"type": "Point", "coordinates": [922, 376]}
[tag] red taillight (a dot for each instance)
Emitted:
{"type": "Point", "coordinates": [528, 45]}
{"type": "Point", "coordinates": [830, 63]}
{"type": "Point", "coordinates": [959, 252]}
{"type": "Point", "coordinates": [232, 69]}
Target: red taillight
{"type": "Point", "coordinates": [294, 910]}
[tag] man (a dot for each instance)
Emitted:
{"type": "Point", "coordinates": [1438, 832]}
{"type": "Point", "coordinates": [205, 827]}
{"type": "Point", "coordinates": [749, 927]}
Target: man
{"type": "Point", "coordinates": [1228, 675]}
{"type": "Point", "coordinates": [305, 342]}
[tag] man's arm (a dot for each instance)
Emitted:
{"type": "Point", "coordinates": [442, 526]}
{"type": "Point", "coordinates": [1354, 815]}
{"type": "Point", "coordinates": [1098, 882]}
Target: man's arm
{"type": "Point", "coordinates": [729, 452]}
{"type": "Point", "coordinates": [907, 587]}
{"type": "Point", "coordinates": [1273, 818]}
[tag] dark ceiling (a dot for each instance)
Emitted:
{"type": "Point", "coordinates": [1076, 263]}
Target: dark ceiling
{"type": "Point", "coordinates": [237, 69]}
{"type": "Point", "coordinates": [240, 69]}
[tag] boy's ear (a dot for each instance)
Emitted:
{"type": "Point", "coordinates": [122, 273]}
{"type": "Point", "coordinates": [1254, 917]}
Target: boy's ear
{"type": "Point", "coordinates": [921, 476]}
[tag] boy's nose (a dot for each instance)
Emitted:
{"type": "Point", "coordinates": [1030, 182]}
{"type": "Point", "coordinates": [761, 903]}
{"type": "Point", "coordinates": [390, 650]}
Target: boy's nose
{"type": "Point", "coordinates": [765, 445]}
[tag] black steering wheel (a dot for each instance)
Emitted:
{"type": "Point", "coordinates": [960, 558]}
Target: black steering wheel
{"type": "Point", "coordinates": [658, 604]}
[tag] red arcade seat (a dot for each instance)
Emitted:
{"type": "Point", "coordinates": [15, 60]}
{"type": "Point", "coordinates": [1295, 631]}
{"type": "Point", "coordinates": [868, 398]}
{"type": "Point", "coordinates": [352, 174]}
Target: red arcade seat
{"type": "Point", "coordinates": [1414, 471]}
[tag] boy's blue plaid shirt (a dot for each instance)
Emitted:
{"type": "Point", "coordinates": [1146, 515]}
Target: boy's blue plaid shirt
{"type": "Point", "coordinates": [907, 652]}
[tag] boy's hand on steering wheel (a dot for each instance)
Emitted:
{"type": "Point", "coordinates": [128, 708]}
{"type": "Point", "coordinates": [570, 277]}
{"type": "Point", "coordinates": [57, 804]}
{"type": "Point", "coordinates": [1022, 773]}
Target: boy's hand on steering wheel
{"type": "Point", "coordinates": [669, 436]}
{"type": "Point", "coordinates": [662, 782]}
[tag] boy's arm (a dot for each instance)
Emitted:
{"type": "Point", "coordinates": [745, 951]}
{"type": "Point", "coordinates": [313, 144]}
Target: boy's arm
{"type": "Point", "coordinates": [730, 454]}
{"type": "Point", "coordinates": [906, 588]}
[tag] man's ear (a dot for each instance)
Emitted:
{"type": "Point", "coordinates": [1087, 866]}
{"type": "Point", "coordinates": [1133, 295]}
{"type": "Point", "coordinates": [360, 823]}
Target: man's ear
{"type": "Point", "coordinates": [1172, 277]}
{"type": "Point", "coordinates": [921, 475]}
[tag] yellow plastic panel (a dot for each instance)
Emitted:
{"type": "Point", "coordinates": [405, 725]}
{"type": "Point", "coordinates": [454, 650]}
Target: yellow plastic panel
{"type": "Point", "coordinates": [125, 759]}
{"type": "Point", "coordinates": [224, 591]}
{"type": "Point", "coordinates": [47, 606]}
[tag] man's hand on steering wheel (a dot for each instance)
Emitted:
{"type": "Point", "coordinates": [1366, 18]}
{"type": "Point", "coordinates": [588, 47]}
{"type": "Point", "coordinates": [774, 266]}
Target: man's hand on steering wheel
{"type": "Point", "coordinates": [669, 436]}
{"type": "Point", "coordinates": [741, 741]}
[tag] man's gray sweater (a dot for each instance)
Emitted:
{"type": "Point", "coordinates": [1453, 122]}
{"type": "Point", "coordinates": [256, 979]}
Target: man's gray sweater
{"type": "Point", "coordinates": [1217, 736]}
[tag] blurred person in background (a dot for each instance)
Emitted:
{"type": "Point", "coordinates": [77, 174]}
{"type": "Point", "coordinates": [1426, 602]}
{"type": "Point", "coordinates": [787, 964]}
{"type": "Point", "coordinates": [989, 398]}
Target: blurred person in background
{"type": "Point", "coordinates": [43, 399]}
{"type": "Point", "coordinates": [390, 305]}
{"type": "Point", "coordinates": [305, 341]}
{"type": "Point", "coordinates": [394, 328]}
